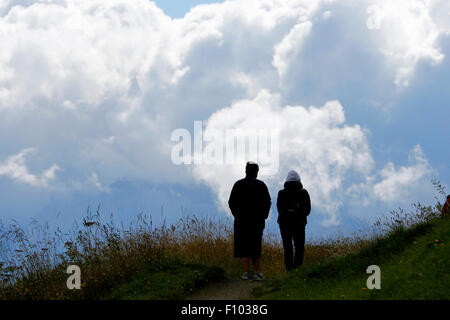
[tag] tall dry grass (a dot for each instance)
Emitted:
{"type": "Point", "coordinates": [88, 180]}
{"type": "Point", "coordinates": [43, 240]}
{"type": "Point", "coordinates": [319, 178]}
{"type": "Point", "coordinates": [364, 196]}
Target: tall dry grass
{"type": "Point", "coordinates": [33, 261]}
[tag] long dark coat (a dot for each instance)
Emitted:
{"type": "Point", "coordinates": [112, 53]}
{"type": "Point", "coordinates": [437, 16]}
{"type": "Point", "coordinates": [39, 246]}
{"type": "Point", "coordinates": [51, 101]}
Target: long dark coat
{"type": "Point", "coordinates": [250, 205]}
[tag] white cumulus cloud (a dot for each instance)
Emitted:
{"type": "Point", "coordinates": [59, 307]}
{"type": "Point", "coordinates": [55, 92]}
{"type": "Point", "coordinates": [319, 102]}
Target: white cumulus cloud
{"type": "Point", "coordinates": [100, 85]}
{"type": "Point", "coordinates": [397, 183]}
{"type": "Point", "coordinates": [408, 33]}
{"type": "Point", "coordinates": [316, 141]}
{"type": "Point", "coordinates": [15, 168]}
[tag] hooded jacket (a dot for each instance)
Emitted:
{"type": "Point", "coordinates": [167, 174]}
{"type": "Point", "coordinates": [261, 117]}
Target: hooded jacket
{"type": "Point", "coordinates": [293, 203]}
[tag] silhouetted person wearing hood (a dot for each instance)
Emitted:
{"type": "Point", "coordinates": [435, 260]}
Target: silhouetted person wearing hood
{"type": "Point", "coordinates": [293, 205]}
{"type": "Point", "coordinates": [250, 205]}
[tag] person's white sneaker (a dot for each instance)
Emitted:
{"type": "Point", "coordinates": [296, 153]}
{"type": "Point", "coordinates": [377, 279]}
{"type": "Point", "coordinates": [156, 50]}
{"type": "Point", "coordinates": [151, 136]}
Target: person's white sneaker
{"type": "Point", "coordinates": [258, 276]}
{"type": "Point", "coordinates": [245, 276]}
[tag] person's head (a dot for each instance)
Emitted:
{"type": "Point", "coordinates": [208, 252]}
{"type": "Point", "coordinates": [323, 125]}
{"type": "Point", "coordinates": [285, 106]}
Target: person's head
{"type": "Point", "coordinates": [293, 176]}
{"type": "Point", "coordinates": [293, 181]}
{"type": "Point", "coordinates": [251, 169]}
{"type": "Point", "coordinates": [448, 198]}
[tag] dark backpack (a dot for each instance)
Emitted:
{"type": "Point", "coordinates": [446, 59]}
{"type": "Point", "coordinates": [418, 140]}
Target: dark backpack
{"type": "Point", "coordinates": [292, 205]}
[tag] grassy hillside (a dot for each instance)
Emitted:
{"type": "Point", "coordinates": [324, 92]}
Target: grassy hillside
{"type": "Point", "coordinates": [414, 263]}
{"type": "Point", "coordinates": [169, 262]}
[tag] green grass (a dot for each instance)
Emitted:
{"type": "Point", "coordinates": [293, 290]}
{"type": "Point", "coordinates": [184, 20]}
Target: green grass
{"type": "Point", "coordinates": [414, 264]}
{"type": "Point", "coordinates": [174, 281]}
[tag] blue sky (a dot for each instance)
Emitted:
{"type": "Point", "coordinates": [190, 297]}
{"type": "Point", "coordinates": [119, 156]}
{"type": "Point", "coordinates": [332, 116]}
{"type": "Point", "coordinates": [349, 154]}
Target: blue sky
{"type": "Point", "coordinates": [177, 9]}
{"type": "Point", "coordinates": [92, 92]}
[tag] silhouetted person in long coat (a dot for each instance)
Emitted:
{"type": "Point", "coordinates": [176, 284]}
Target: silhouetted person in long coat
{"type": "Point", "coordinates": [250, 205]}
{"type": "Point", "coordinates": [294, 205]}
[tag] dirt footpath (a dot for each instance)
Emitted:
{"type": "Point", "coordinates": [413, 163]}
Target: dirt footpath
{"type": "Point", "coordinates": [226, 290]}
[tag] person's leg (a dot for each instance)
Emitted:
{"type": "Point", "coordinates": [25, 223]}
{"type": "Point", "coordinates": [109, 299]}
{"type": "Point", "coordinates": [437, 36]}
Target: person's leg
{"type": "Point", "coordinates": [256, 264]}
{"type": "Point", "coordinates": [257, 275]}
{"type": "Point", "coordinates": [257, 246]}
{"type": "Point", "coordinates": [299, 243]}
{"type": "Point", "coordinates": [286, 237]}
{"type": "Point", "coordinates": [245, 264]}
